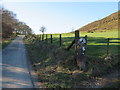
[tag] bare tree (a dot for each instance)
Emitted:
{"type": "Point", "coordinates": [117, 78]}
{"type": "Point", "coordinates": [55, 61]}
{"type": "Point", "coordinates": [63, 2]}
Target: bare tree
{"type": "Point", "coordinates": [43, 29]}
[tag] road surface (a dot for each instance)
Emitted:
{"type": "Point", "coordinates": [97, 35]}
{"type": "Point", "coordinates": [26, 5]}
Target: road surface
{"type": "Point", "coordinates": [15, 66]}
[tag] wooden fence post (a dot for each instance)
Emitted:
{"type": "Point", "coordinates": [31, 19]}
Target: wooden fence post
{"type": "Point", "coordinates": [76, 38]}
{"type": "Point", "coordinates": [40, 37]}
{"type": "Point", "coordinates": [80, 51]}
{"type": "Point", "coordinates": [60, 40]}
{"type": "Point", "coordinates": [77, 49]}
{"type": "Point", "coordinates": [108, 46]}
{"type": "Point", "coordinates": [68, 48]}
{"type": "Point", "coordinates": [46, 37]}
{"type": "Point", "coordinates": [51, 39]}
{"type": "Point", "coordinates": [86, 39]}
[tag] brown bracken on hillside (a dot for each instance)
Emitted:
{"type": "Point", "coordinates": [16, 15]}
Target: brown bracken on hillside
{"type": "Point", "coordinates": [108, 23]}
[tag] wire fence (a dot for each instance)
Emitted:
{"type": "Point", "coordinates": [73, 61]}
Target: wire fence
{"type": "Point", "coordinates": [95, 45]}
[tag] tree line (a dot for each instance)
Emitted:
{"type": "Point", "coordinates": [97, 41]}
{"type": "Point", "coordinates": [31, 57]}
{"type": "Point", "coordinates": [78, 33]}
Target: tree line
{"type": "Point", "coordinates": [11, 25]}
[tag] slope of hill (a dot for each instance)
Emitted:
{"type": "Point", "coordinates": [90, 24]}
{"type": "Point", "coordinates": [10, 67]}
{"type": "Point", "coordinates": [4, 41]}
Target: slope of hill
{"type": "Point", "coordinates": [108, 23]}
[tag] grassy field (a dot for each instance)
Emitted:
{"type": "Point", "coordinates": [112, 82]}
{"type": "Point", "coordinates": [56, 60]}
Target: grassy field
{"type": "Point", "coordinates": [96, 45]}
{"type": "Point", "coordinates": [57, 68]}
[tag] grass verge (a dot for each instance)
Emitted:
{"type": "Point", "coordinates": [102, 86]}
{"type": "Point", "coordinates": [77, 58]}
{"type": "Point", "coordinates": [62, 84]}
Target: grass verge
{"type": "Point", "coordinates": [7, 41]}
{"type": "Point", "coordinates": [56, 68]}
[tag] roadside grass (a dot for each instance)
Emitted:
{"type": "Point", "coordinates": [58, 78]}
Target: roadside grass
{"type": "Point", "coordinates": [57, 68]}
{"type": "Point", "coordinates": [7, 41]}
{"type": "Point", "coordinates": [54, 67]}
{"type": "Point", "coordinates": [113, 84]}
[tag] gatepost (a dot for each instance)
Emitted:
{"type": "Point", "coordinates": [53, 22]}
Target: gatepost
{"type": "Point", "coordinates": [80, 45]}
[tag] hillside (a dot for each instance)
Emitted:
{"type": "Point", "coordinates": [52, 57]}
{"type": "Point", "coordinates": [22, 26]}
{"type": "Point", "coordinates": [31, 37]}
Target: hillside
{"type": "Point", "coordinates": [108, 23]}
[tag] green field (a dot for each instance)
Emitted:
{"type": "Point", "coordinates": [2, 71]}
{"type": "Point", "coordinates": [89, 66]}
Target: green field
{"type": "Point", "coordinates": [96, 44]}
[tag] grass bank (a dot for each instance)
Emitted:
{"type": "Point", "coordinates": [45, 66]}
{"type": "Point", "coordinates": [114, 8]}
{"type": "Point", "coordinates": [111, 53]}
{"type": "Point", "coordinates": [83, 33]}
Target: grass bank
{"type": "Point", "coordinates": [56, 68]}
{"type": "Point", "coordinates": [7, 41]}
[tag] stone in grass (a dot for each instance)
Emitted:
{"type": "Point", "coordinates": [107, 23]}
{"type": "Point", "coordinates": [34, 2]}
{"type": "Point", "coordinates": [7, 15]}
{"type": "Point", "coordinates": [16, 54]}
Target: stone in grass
{"type": "Point", "coordinates": [107, 58]}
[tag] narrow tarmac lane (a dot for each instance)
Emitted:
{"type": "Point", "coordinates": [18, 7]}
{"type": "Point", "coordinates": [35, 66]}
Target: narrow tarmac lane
{"type": "Point", "coordinates": [15, 67]}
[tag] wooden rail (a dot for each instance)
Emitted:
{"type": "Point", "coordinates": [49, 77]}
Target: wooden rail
{"type": "Point", "coordinates": [108, 43]}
